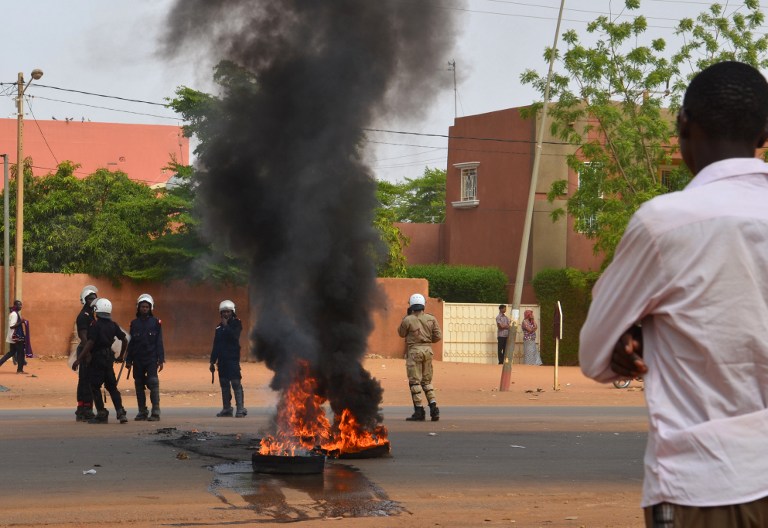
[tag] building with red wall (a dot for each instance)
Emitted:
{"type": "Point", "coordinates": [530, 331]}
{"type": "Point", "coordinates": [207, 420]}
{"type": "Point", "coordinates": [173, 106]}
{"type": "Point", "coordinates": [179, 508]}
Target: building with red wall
{"type": "Point", "coordinates": [489, 165]}
{"type": "Point", "coordinates": [141, 151]}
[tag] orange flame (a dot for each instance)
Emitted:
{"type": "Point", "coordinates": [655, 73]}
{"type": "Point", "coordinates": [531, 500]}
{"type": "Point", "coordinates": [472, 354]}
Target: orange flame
{"type": "Point", "coordinates": [302, 425]}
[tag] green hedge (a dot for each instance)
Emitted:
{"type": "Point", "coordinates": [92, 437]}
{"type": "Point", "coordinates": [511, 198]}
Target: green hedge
{"type": "Point", "coordinates": [573, 288]}
{"type": "Point", "coordinates": [465, 284]}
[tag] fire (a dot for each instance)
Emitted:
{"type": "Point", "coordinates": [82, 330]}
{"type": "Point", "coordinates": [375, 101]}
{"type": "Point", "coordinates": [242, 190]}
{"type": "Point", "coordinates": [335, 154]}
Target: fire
{"type": "Point", "coordinates": [302, 425]}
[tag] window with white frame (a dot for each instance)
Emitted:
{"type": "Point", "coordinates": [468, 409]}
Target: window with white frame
{"type": "Point", "coordinates": [467, 185]}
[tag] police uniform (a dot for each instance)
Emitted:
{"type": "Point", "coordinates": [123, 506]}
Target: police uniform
{"type": "Point", "coordinates": [84, 396]}
{"type": "Point", "coordinates": [146, 354]}
{"type": "Point", "coordinates": [103, 333]}
{"type": "Point", "coordinates": [420, 330]}
{"type": "Point", "coordinates": [226, 354]}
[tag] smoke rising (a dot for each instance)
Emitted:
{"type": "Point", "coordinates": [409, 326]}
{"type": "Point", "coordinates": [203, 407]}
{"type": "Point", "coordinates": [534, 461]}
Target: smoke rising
{"type": "Point", "coordinates": [286, 186]}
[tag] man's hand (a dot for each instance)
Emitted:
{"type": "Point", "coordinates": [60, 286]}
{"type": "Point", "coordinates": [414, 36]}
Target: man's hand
{"type": "Point", "coordinates": [159, 366]}
{"type": "Point", "coordinates": [627, 357]}
{"type": "Point", "coordinates": [213, 368]}
{"type": "Point", "coordinates": [75, 365]}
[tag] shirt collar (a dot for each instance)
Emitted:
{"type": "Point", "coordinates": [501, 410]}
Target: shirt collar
{"type": "Point", "coordinates": [728, 168]}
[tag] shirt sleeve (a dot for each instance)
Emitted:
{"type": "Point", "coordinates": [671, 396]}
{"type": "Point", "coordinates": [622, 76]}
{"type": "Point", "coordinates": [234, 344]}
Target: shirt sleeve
{"type": "Point", "coordinates": [623, 295]}
{"type": "Point", "coordinates": [437, 334]}
{"type": "Point", "coordinates": [402, 330]}
{"type": "Point", "coordinates": [119, 332]}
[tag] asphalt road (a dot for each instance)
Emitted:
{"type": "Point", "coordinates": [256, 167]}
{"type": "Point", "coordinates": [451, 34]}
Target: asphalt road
{"type": "Point", "coordinates": [477, 466]}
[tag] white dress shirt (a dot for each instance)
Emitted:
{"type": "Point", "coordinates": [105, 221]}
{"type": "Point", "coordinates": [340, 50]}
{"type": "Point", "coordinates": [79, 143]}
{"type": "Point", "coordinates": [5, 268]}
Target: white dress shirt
{"type": "Point", "coordinates": [693, 268]}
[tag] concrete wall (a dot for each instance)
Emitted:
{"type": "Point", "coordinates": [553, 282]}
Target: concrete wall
{"type": "Point", "coordinates": [189, 313]}
{"type": "Point", "coordinates": [425, 242]}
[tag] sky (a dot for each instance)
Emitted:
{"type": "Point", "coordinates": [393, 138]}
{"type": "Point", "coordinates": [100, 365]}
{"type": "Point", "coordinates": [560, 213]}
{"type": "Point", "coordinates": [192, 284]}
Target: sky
{"type": "Point", "coordinates": [110, 48]}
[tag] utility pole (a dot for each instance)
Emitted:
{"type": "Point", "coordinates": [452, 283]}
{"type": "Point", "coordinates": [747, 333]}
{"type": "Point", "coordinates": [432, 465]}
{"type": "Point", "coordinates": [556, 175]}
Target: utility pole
{"type": "Point", "coordinates": [6, 250]}
{"type": "Point", "coordinates": [506, 372]}
{"type": "Point", "coordinates": [452, 67]}
{"type": "Point", "coordinates": [36, 74]}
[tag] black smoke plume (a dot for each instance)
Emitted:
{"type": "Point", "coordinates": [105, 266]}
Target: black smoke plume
{"type": "Point", "coordinates": [286, 186]}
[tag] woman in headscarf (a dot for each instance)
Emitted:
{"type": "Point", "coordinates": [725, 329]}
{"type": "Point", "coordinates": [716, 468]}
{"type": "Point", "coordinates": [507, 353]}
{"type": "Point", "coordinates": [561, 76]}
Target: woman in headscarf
{"type": "Point", "coordinates": [530, 350]}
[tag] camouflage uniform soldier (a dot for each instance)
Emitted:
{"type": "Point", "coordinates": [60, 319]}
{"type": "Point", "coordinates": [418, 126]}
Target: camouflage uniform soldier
{"type": "Point", "coordinates": [420, 330]}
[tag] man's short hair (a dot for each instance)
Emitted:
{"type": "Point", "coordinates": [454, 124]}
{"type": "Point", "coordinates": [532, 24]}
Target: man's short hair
{"type": "Point", "coordinates": [728, 100]}
{"type": "Point", "coordinates": [502, 306]}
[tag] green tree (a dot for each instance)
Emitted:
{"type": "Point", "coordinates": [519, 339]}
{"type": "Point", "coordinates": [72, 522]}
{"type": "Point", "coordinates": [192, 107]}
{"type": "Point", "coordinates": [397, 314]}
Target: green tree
{"type": "Point", "coordinates": [181, 251]}
{"type": "Point", "coordinates": [609, 102]}
{"type": "Point", "coordinates": [418, 200]}
{"type": "Point", "coordinates": [102, 224]}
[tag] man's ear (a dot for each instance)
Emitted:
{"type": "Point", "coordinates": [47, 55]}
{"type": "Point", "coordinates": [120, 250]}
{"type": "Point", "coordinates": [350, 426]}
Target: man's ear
{"type": "Point", "coordinates": [683, 123]}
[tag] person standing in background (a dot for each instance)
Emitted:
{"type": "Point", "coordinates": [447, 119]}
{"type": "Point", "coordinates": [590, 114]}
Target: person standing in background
{"type": "Point", "coordinates": [530, 349]}
{"type": "Point", "coordinates": [502, 331]}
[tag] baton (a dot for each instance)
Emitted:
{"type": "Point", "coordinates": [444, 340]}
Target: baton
{"type": "Point", "coordinates": [212, 373]}
{"type": "Point", "coordinates": [122, 366]}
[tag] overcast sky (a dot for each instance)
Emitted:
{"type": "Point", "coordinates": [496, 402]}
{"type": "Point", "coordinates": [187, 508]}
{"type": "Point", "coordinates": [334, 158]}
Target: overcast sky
{"type": "Point", "coordinates": [109, 48]}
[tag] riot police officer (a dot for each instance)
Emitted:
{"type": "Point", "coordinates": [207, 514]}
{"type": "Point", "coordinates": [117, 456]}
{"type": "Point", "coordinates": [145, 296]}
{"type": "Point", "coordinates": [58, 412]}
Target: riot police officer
{"type": "Point", "coordinates": [146, 355]}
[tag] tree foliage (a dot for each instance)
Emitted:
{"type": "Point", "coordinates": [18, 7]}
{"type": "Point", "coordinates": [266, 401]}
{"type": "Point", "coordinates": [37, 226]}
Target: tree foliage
{"type": "Point", "coordinates": [101, 225]}
{"type": "Point", "coordinates": [418, 200]}
{"type": "Point", "coordinates": [615, 99]}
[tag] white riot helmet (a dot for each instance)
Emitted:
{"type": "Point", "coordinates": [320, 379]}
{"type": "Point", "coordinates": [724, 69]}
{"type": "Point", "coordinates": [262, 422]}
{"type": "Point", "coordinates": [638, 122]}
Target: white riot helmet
{"type": "Point", "coordinates": [86, 291]}
{"type": "Point", "coordinates": [103, 308]}
{"type": "Point", "coordinates": [417, 301]}
{"type": "Point", "coordinates": [145, 297]}
{"type": "Point", "coordinates": [226, 305]}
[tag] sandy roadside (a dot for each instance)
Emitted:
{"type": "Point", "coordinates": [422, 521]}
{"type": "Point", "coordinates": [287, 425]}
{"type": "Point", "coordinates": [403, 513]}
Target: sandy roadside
{"type": "Point", "coordinates": [49, 383]}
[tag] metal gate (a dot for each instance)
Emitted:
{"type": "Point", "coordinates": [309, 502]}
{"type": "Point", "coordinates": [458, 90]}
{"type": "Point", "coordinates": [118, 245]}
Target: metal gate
{"type": "Point", "coordinates": [469, 332]}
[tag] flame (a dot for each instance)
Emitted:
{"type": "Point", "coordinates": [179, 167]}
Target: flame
{"type": "Point", "coordinates": [302, 425]}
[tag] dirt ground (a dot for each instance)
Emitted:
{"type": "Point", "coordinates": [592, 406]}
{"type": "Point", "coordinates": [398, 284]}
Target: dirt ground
{"type": "Point", "coordinates": [187, 383]}
{"type": "Point", "coordinates": [49, 383]}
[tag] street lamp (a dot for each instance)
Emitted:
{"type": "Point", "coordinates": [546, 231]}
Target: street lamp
{"type": "Point", "coordinates": [36, 74]}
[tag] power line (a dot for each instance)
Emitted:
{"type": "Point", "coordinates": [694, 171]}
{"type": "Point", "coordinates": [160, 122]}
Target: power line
{"type": "Point", "coordinates": [29, 105]}
{"type": "Point", "coordinates": [38, 85]}
{"type": "Point", "coordinates": [106, 108]}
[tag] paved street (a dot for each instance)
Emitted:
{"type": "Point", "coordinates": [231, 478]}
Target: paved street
{"type": "Point", "coordinates": [478, 466]}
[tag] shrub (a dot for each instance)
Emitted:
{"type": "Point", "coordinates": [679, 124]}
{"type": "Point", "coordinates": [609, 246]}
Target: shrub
{"type": "Point", "coordinates": [465, 284]}
{"type": "Point", "coordinates": [573, 288]}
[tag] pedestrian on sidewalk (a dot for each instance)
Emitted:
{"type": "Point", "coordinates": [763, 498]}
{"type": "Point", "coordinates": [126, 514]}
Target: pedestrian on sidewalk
{"type": "Point", "coordinates": [16, 338]}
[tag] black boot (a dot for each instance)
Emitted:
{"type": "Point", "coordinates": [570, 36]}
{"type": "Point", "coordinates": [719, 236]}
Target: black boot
{"type": "Point", "coordinates": [225, 412]}
{"type": "Point", "coordinates": [87, 413]}
{"type": "Point", "coordinates": [155, 416]}
{"type": "Point", "coordinates": [418, 414]}
{"type": "Point", "coordinates": [79, 414]}
{"type": "Point", "coordinates": [121, 415]}
{"type": "Point", "coordinates": [434, 412]}
{"type": "Point", "coordinates": [102, 417]}
{"type": "Point", "coordinates": [143, 414]}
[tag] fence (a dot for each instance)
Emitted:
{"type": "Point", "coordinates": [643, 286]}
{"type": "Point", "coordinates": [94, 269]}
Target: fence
{"type": "Point", "coordinates": [469, 333]}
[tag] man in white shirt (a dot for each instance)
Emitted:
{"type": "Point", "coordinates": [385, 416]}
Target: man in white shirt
{"type": "Point", "coordinates": [15, 337]}
{"type": "Point", "coordinates": [692, 270]}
